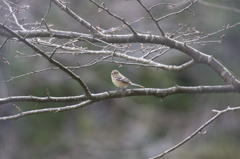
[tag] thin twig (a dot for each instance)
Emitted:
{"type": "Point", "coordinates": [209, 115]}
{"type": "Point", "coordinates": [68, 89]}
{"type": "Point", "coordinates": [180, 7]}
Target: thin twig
{"type": "Point", "coordinates": [4, 59]}
{"type": "Point", "coordinates": [178, 12]}
{"type": "Point", "coordinates": [30, 73]}
{"type": "Point", "coordinates": [45, 16]}
{"type": "Point", "coordinates": [3, 42]}
{"type": "Point", "coordinates": [8, 16]}
{"type": "Point", "coordinates": [148, 11]}
{"type": "Point", "coordinates": [114, 15]}
{"type": "Point", "coordinates": [216, 32]}
{"type": "Point", "coordinates": [161, 5]}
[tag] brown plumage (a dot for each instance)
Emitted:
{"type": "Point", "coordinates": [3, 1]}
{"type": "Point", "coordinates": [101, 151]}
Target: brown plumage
{"type": "Point", "coordinates": [121, 81]}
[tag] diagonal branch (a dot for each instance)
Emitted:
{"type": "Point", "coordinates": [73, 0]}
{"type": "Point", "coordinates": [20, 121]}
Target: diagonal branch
{"type": "Point", "coordinates": [148, 11]}
{"type": "Point", "coordinates": [14, 16]}
{"type": "Point", "coordinates": [219, 113]}
{"type": "Point", "coordinates": [76, 17]}
{"type": "Point", "coordinates": [115, 16]}
{"type": "Point", "coordinates": [178, 12]}
{"type": "Point", "coordinates": [54, 62]}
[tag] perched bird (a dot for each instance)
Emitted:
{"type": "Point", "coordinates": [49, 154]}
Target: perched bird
{"type": "Point", "coordinates": [121, 81]}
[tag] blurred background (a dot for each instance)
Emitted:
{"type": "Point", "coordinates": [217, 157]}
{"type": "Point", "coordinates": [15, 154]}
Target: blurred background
{"type": "Point", "coordinates": [124, 128]}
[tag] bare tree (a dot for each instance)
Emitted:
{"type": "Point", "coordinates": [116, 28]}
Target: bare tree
{"type": "Point", "coordinates": [123, 45]}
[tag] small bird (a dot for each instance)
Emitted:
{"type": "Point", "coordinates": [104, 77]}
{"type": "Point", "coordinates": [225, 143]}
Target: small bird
{"type": "Point", "coordinates": [121, 81]}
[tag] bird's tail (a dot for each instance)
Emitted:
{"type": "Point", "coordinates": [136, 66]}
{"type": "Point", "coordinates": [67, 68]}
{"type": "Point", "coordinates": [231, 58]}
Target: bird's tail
{"type": "Point", "coordinates": [134, 84]}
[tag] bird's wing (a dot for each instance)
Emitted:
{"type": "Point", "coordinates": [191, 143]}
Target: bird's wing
{"type": "Point", "coordinates": [124, 80]}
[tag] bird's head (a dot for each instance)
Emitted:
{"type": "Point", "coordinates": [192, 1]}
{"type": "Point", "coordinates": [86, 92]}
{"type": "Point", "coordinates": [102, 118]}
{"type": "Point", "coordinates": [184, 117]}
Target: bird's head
{"type": "Point", "coordinates": [115, 73]}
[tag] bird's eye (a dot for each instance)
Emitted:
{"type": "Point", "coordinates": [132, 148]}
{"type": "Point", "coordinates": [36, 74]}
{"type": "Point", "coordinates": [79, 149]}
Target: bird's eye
{"type": "Point", "coordinates": [115, 72]}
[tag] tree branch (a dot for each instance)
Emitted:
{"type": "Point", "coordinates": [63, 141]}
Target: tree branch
{"type": "Point", "coordinates": [198, 131]}
{"type": "Point", "coordinates": [149, 12]}
{"type": "Point", "coordinates": [115, 16]}
{"type": "Point", "coordinates": [160, 93]}
{"type": "Point", "coordinates": [54, 62]}
{"type": "Point", "coordinates": [76, 17]}
{"type": "Point", "coordinates": [46, 110]}
{"type": "Point", "coordinates": [178, 12]}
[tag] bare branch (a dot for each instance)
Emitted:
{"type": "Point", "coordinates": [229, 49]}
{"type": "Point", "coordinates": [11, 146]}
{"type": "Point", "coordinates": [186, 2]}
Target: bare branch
{"type": "Point", "coordinates": [156, 22]}
{"type": "Point", "coordinates": [161, 93]}
{"type": "Point", "coordinates": [30, 73]}
{"type": "Point", "coordinates": [56, 63]}
{"type": "Point", "coordinates": [137, 48]}
{"type": "Point", "coordinates": [46, 110]}
{"type": "Point", "coordinates": [178, 12]}
{"type": "Point", "coordinates": [161, 5]}
{"type": "Point", "coordinates": [183, 47]}
{"type": "Point", "coordinates": [45, 16]}
{"type": "Point", "coordinates": [214, 33]}
{"type": "Point", "coordinates": [219, 113]}
{"type": "Point", "coordinates": [3, 43]}
{"type": "Point", "coordinates": [76, 17]}
{"type": "Point", "coordinates": [4, 59]}
{"type": "Point", "coordinates": [114, 15]}
{"type": "Point", "coordinates": [14, 16]}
